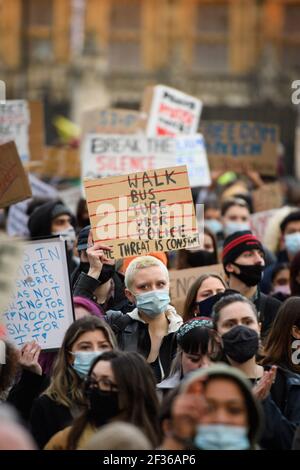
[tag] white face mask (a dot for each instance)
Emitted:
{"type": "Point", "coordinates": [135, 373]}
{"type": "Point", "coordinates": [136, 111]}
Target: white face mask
{"type": "Point", "coordinates": [68, 235]}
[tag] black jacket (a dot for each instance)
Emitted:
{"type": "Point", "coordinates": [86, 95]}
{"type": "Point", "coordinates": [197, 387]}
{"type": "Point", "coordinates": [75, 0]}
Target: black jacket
{"type": "Point", "coordinates": [133, 335]}
{"type": "Point", "coordinates": [24, 392]}
{"type": "Point", "coordinates": [86, 285]}
{"type": "Point", "coordinates": [267, 308]}
{"type": "Point", "coordinates": [47, 418]}
{"type": "Point", "coordinates": [282, 411]}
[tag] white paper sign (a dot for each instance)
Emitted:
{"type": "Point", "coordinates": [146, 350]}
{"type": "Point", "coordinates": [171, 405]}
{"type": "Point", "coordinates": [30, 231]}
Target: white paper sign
{"type": "Point", "coordinates": [14, 125]}
{"type": "Point", "coordinates": [172, 112]}
{"type": "Point", "coordinates": [41, 307]}
{"type": "Point", "coordinates": [110, 155]}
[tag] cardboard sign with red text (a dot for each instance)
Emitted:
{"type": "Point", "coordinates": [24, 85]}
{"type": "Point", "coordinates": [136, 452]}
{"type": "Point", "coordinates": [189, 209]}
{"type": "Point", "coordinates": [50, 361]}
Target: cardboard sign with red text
{"type": "Point", "coordinates": [143, 212]}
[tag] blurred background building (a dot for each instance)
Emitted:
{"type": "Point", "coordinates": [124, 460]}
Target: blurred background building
{"type": "Point", "coordinates": [238, 56]}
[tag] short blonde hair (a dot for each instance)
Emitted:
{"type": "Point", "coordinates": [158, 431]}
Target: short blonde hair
{"type": "Point", "coordinates": [142, 262]}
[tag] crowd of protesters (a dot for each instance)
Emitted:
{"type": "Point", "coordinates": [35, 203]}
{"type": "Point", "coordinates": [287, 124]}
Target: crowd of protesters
{"type": "Point", "coordinates": [134, 373]}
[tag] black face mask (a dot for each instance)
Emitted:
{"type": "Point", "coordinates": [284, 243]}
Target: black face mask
{"type": "Point", "coordinates": [240, 343]}
{"type": "Point", "coordinates": [103, 406]}
{"type": "Point", "coordinates": [205, 306]}
{"type": "Point", "coordinates": [107, 273]}
{"type": "Point", "coordinates": [249, 275]}
{"type": "Point", "coordinates": [200, 258]}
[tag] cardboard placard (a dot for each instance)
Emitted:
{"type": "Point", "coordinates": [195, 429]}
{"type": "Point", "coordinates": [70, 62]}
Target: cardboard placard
{"type": "Point", "coordinates": [61, 162]}
{"type": "Point", "coordinates": [108, 155]}
{"type": "Point", "coordinates": [170, 111]}
{"type": "Point", "coordinates": [14, 125]}
{"type": "Point", "coordinates": [17, 215]}
{"type": "Point", "coordinates": [181, 280]}
{"type": "Point", "coordinates": [111, 121]}
{"type": "Point", "coordinates": [41, 307]}
{"type": "Point", "coordinates": [268, 197]}
{"type": "Point", "coordinates": [259, 222]}
{"type": "Point", "coordinates": [14, 184]}
{"type": "Point", "coordinates": [36, 130]}
{"type": "Point", "coordinates": [232, 145]}
{"type": "Point", "coordinates": [143, 212]}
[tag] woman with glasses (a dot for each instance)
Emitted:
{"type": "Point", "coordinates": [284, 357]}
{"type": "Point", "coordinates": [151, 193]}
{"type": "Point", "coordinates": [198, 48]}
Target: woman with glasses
{"type": "Point", "coordinates": [120, 387]}
{"type": "Point", "coordinates": [64, 399]}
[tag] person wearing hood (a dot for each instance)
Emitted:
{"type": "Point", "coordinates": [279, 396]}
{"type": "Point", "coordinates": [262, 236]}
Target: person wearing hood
{"type": "Point", "coordinates": [150, 327]}
{"type": "Point", "coordinates": [214, 410]}
{"type": "Point", "coordinates": [54, 218]}
{"type": "Point", "coordinates": [243, 260]}
{"type": "Point", "coordinates": [237, 325]}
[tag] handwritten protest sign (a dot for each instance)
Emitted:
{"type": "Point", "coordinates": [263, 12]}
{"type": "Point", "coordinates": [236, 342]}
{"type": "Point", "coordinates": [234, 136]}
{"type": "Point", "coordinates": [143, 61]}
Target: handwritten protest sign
{"type": "Point", "coordinates": [10, 257]}
{"type": "Point", "coordinates": [111, 121]}
{"type": "Point", "coordinates": [143, 212]}
{"type": "Point", "coordinates": [108, 155]}
{"type": "Point", "coordinates": [17, 215]}
{"type": "Point", "coordinates": [267, 197]}
{"type": "Point", "coordinates": [41, 307]}
{"type": "Point", "coordinates": [170, 112]}
{"type": "Point", "coordinates": [14, 125]}
{"type": "Point", "coordinates": [231, 145]}
{"type": "Point", "coordinates": [182, 280]}
{"type": "Point", "coordinates": [14, 185]}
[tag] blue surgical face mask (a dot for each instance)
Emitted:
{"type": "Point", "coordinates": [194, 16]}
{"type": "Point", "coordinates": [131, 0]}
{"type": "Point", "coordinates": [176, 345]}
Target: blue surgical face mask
{"type": "Point", "coordinates": [292, 242]}
{"type": "Point", "coordinates": [83, 361]}
{"type": "Point", "coordinates": [232, 227]}
{"type": "Point", "coordinates": [153, 303]}
{"type": "Point", "coordinates": [214, 225]}
{"type": "Point", "coordinates": [221, 437]}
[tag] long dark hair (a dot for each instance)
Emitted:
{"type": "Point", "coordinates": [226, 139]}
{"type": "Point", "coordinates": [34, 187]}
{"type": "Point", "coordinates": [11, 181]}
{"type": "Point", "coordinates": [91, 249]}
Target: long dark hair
{"type": "Point", "coordinates": [278, 346]}
{"type": "Point", "coordinates": [191, 296]}
{"type": "Point", "coordinates": [137, 396]}
{"type": "Point", "coordinates": [66, 386]}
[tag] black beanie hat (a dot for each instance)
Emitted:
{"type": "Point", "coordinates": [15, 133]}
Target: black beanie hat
{"type": "Point", "coordinates": [237, 243]}
{"type": "Point", "coordinates": [39, 223]}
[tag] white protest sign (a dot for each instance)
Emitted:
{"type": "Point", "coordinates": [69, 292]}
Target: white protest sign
{"type": "Point", "coordinates": [41, 307]}
{"type": "Point", "coordinates": [112, 155]}
{"type": "Point", "coordinates": [17, 217]}
{"type": "Point", "coordinates": [170, 111]}
{"type": "Point", "coordinates": [14, 125]}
